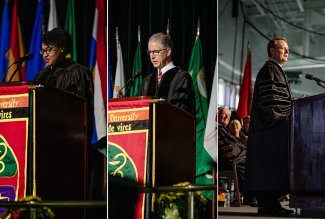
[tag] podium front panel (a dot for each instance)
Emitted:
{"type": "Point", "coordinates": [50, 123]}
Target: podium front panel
{"type": "Point", "coordinates": [150, 142]}
{"type": "Point", "coordinates": [43, 145]}
{"type": "Point", "coordinates": [174, 145]}
{"type": "Point", "coordinates": [307, 153]}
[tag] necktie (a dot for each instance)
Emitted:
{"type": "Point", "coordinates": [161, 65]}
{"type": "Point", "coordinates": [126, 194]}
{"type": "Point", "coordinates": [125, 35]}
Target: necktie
{"type": "Point", "coordinates": [159, 76]}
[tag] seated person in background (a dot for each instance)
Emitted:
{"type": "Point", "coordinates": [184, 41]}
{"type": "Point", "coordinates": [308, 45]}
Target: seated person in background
{"type": "Point", "coordinates": [236, 130]}
{"type": "Point", "coordinates": [245, 127]}
{"type": "Point", "coordinates": [230, 150]}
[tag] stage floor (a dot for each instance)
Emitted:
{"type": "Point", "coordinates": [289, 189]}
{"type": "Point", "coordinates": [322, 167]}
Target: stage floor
{"type": "Point", "coordinates": [246, 211]}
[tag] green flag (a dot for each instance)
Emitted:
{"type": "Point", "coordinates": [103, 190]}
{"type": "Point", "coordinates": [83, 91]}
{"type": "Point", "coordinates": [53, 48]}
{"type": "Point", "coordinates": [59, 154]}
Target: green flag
{"type": "Point", "coordinates": [203, 159]}
{"type": "Point", "coordinates": [70, 26]}
{"type": "Point", "coordinates": [136, 68]}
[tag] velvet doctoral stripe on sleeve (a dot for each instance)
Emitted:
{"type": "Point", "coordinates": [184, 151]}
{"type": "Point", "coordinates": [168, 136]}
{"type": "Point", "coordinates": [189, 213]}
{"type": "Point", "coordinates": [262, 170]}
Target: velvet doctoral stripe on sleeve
{"type": "Point", "coordinates": [274, 96]}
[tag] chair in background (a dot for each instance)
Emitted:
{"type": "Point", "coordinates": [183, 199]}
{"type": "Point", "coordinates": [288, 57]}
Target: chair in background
{"type": "Point", "coordinates": [229, 178]}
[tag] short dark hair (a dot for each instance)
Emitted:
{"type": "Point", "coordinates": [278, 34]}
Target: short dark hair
{"type": "Point", "coordinates": [164, 39]}
{"type": "Point", "coordinates": [58, 37]}
{"type": "Point", "coordinates": [272, 44]}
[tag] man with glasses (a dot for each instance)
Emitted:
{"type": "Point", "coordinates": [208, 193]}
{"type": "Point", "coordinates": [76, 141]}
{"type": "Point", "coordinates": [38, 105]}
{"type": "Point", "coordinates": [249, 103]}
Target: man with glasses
{"type": "Point", "coordinates": [169, 82]}
{"type": "Point", "coordinates": [267, 171]}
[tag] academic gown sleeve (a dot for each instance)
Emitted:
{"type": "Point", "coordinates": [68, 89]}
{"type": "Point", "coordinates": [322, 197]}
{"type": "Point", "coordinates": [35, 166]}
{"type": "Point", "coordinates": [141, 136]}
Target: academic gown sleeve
{"type": "Point", "coordinates": [182, 92]}
{"type": "Point", "coordinates": [274, 97]}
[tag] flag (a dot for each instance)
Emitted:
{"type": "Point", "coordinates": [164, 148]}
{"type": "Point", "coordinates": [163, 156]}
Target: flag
{"type": "Point", "coordinates": [37, 62]}
{"type": "Point", "coordinates": [53, 18]}
{"type": "Point", "coordinates": [4, 39]}
{"type": "Point", "coordinates": [136, 67]}
{"type": "Point", "coordinates": [98, 65]}
{"type": "Point", "coordinates": [119, 75]}
{"type": "Point", "coordinates": [245, 95]}
{"type": "Point", "coordinates": [196, 69]}
{"type": "Point", "coordinates": [16, 47]}
{"type": "Point", "coordinates": [211, 132]}
{"type": "Point", "coordinates": [70, 26]}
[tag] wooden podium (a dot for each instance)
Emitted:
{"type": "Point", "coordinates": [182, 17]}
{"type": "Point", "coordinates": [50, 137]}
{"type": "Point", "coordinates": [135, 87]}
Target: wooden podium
{"type": "Point", "coordinates": [53, 141]}
{"type": "Point", "coordinates": [307, 150]}
{"type": "Point", "coordinates": [156, 147]}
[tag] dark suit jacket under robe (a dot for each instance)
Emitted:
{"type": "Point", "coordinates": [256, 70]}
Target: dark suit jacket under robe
{"type": "Point", "coordinates": [176, 87]}
{"type": "Point", "coordinates": [267, 159]}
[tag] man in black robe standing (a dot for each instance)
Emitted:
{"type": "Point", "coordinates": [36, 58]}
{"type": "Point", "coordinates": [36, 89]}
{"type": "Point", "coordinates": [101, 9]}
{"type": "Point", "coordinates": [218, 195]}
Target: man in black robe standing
{"type": "Point", "coordinates": [267, 170]}
{"type": "Point", "coordinates": [169, 82]}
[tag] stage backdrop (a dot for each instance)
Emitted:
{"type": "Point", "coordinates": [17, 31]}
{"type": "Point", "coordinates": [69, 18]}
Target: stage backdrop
{"type": "Point", "coordinates": [84, 17]}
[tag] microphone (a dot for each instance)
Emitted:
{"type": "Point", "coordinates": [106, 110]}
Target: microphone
{"type": "Point", "coordinates": [26, 57]}
{"type": "Point", "coordinates": [318, 81]}
{"type": "Point", "coordinates": [129, 82]}
{"type": "Point", "coordinates": [135, 76]}
{"type": "Point", "coordinates": [310, 77]}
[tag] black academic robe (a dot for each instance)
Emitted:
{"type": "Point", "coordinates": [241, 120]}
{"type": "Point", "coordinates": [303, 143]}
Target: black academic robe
{"type": "Point", "coordinates": [267, 160]}
{"type": "Point", "coordinates": [176, 87]}
{"type": "Point", "coordinates": [74, 78]}
{"type": "Point", "coordinates": [230, 149]}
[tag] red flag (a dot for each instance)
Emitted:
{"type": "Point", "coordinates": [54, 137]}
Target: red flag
{"type": "Point", "coordinates": [245, 96]}
{"type": "Point", "coordinates": [16, 46]}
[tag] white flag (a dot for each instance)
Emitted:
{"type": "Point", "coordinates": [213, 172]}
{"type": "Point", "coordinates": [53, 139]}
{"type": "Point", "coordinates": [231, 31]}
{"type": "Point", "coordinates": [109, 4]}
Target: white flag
{"type": "Point", "coordinates": [211, 132]}
{"type": "Point", "coordinates": [53, 19]}
{"type": "Point", "coordinates": [119, 75]}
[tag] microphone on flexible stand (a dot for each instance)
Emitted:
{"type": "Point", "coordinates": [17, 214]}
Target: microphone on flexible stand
{"type": "Point", "coordinates": [19, 63]}
{"type": "Point", "coordinates": [129, 83]}
{"type": "Point", "coordinates": [317, 80]}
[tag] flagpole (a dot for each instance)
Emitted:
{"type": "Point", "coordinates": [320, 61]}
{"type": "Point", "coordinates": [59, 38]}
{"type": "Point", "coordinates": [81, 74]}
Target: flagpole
{"type": "Point", "coordinates": [242, 51]}
{"type": "Point", "coordinates": [139, 34]}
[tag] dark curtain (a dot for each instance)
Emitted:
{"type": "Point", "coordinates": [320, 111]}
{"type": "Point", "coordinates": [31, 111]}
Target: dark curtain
{"type": "Point", "coordinates": [152, 16]}
{"type": "Point", "coordinates": [84, 16]}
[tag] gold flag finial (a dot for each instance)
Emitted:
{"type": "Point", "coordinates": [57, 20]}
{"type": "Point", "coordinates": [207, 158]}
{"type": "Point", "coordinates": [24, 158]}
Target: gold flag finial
{"type": "Point", "coordinates": [116, 34]}
{"type": "Point", "coordinates": [198, 29]}
{"type": "Point", "coordinates": [248, 46]}
{"type": "Point", "coordinates": [168, 27]}
{"type": "Point", "coordinates": [139, 34]}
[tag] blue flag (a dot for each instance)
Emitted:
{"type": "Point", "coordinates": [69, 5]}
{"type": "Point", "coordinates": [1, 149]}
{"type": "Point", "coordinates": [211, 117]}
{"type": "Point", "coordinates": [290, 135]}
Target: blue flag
{"type": "Point", "coordinates": [4, 40]}
{"type": "Point", "coordinates": [36, 63]}
{"type": "Point", "coordinates": [98, 65]}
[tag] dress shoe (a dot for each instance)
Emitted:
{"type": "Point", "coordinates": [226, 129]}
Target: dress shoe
{"type": "Point", "coordinates": [273, 211]}
{"type": "Point", "coordinates": [288, 210]}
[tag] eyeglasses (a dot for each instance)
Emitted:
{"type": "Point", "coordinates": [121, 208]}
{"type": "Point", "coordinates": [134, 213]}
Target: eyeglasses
{"type": "Point", "coordinates": [48, 50]}
{"type": "Point", "coordinates": [155, 52]}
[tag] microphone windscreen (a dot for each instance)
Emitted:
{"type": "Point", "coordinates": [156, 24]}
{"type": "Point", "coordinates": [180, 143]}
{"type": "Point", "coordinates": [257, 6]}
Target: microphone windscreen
{"type": "Point", "coordinates": [308, 76]}
{"type": "Point", "coordinates": [138, 73]}
{"type": "Point", "coordinates": [29, 55]}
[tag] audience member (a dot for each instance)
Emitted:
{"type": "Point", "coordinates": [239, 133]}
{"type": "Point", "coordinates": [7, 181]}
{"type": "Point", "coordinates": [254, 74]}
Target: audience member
{"type": "Point", "coordinates": [246, 121]}
{"type": "Point", "coordinates": [236, 130]}
{"type": "Point", "coordinates": [230, 150]}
